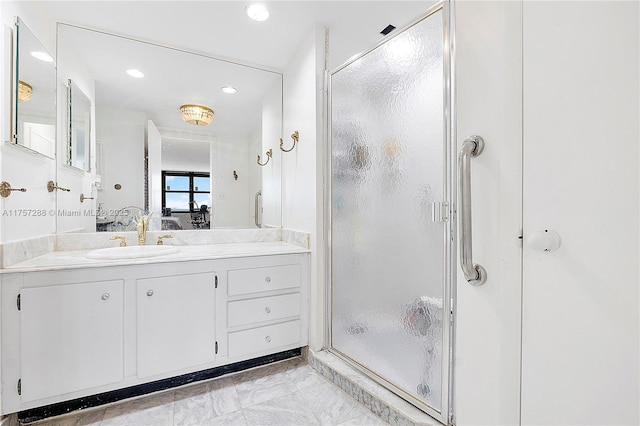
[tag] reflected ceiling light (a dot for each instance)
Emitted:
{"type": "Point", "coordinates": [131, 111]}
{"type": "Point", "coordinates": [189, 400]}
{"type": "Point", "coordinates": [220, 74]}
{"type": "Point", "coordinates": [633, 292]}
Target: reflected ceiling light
{"type": "Point", "coordinates": [24, 91]}
{"type": "Point", "coordinates": [257, 12]}
{"type": "Point", "coordinates": [229, 89]}
{"type": "Point", "coordinates": [135, 73]}
{"type": "Point", "coordinates": [197, 115]}
{"type": "Point", "coordinates": [42, 56]}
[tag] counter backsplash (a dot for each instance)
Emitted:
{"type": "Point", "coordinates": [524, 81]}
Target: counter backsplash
{"type": "Point", "coordinates": [18, 251]}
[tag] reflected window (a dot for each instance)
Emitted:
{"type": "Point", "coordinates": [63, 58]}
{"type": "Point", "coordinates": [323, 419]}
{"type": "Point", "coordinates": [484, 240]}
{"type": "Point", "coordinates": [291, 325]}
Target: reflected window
{"type": "Point", "coordinates": [184, 192]}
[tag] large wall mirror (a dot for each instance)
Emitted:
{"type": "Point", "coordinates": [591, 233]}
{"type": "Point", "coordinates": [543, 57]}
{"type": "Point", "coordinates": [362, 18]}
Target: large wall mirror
{"type": "Point", "coordinates": [34, 101]}
{"type": "Point", "coordinates": [177, 133]}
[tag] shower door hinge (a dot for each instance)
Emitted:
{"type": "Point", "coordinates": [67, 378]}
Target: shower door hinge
{"type": "Point", "coordinates": [18, 302]}
{"type": "Point", "coordinates": [440, 211]}
{"type": "Point", "coordinates": [19, 386]}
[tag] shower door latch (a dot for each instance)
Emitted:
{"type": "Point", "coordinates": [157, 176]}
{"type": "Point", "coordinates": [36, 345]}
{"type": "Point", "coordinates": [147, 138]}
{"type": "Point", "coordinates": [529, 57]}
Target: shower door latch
{"type": "Point", "coordinates": [440, 211]}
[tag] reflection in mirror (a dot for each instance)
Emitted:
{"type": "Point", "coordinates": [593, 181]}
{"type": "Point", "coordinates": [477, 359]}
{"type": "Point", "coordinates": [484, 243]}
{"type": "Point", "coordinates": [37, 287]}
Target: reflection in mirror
{"type": "Point", "coordinates": [79, 127]}
{"type": "Point", "coordinates": [161, 114]}
{"type": "Point", "coordinates": [34, 101]}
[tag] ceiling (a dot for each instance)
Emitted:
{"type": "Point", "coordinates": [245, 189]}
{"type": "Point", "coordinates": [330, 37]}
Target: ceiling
{"type": "Point", "coordinates": [222, 28]}
{"type": "Point", "coordinates": [219, 29]}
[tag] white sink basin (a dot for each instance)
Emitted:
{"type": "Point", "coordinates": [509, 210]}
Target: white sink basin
{"type": "Point", "coordinates": [131, 252]}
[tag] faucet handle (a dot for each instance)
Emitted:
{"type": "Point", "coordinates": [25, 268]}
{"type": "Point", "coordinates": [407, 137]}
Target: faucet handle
{"type": "Point", "coordinates": [160, 242]}
{"type": "Point", "coordinates": [123, 241]}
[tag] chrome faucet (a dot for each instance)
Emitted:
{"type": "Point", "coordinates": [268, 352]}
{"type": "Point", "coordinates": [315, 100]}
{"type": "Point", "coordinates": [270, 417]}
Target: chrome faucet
{"type": "Point", "coordinates": [142, 225]}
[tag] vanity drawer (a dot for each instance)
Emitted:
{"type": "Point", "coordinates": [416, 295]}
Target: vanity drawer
{"type": "Point", "coordinates": [263, 339]}
{"type": "Point", "coordinates": [254, 280]}
{"type": "Point", "coordinates": [262, 309]}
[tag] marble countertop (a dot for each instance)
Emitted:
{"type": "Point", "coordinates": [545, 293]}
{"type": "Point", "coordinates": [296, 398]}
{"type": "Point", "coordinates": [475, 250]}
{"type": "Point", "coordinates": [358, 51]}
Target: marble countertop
{"type": "Point", "coordinates": [74, 259]}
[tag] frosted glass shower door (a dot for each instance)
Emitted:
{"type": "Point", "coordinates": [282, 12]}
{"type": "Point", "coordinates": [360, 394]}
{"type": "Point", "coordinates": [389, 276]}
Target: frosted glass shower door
{"type": "Point", "coordinates": [389, 197]}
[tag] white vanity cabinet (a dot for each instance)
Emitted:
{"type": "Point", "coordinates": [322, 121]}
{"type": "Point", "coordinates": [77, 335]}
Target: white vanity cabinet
{"type": "Point", "coordinates": [76, 332]}
{"type": "Point", "coordinates": [175, 323]}
{"type": "Point", "coordinates": [264, 307]}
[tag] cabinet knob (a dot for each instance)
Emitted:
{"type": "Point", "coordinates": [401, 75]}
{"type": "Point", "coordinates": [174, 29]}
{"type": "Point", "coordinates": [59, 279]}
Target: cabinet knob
{"type": "Point", "coordinates": [105, 296]}
{"type": "Point", "coordinates": [150, 293]}
{"type": "Point", "coordinates": [267, 310]}
{"type": "Point", "coordinates": [268, 339]}
{"type": "Point", "coordinates": [267, 279]}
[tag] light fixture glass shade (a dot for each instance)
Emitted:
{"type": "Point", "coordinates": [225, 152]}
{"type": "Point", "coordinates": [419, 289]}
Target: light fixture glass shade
{"type": "Point", "coordinates": [196, 114]}
{"type": "Point", "coordinates": [24, 91]}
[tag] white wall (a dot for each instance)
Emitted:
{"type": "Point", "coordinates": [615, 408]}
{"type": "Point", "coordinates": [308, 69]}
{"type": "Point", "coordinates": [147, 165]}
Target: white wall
{"type": "Point", "coordinates": [302, 168]}
{"type": "Point", "coordinates": [70, 66]}
{"type": "Point", "coordinates": [17, 166]}
{"type": "Point", "coordinates": [154, 173]}
{"type": "Point", "coordinates": [254, 172]}
{"type": "Point", "coordinates": [231, 207]}
{"type": "Point", "coordinates": [121, 134]}
{"type": "Point", "coordinates": [489, 104]}
{"type": "Point", "coordinates": [272, 117]}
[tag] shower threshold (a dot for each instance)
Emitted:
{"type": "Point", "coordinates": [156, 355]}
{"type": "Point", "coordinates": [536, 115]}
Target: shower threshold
{"type": "Point", "coordinates": [382, 402]}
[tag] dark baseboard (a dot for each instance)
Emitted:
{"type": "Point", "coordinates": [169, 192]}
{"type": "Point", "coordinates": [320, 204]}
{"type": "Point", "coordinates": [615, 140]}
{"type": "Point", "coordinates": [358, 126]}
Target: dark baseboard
{"type": "Point", "coordinates": [39, 413]}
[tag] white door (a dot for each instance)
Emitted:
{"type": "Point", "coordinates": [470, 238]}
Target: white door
{"type": "Point", "coordinates": [72, 337]}
{"type": "Point", "coordinates": [176, 323]}
{"type": "Point", "coordinates": [580, 302]}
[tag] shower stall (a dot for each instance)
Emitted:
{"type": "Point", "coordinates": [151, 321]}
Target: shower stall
{"type": "Point", "coordinates": [390, 208]}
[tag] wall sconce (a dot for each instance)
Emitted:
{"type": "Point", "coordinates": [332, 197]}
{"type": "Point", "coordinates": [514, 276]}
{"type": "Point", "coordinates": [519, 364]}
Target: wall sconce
{"type": "Point", "coordinates": [269, 154]}
{"type": "Point", "coordinates": [235, 174]}
{"type": "Point", "coordinates": [24, 91]}
{"type": "Point", "coordinates": [295, 136]}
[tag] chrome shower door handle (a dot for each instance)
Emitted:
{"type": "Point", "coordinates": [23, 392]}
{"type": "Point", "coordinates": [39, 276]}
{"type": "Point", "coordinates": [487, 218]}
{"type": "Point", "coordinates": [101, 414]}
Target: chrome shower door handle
{"type": "Point", "coordinates": [257, 199]}
{"type": "Point", "coordinates": [474, 274]}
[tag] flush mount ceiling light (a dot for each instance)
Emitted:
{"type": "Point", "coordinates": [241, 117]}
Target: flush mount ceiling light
{"type": "Point", "coordinates": [135, 73]}
{"type": "Point", "coordinates": [229, 89]}
{"type": "Point", "coordinates": [257, 12]}
{"type": "Point", "coordinates": [24, 91]}
{"type": "Point", "coordinates": [197, 115]}
{"type": "Point", "coordinates": [42, 56]}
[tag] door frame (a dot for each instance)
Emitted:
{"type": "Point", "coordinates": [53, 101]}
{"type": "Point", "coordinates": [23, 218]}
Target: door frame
{"type": "Point", "coordinates": [445, 415]}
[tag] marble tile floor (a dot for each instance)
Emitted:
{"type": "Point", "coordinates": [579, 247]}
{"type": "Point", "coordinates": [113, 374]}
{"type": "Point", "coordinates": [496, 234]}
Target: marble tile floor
{"type": "Point", "coordinates": [287, 393]}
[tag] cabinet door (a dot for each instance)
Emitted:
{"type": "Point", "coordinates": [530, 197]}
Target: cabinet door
{"type": "Point", "coordinates": [176, 323]}
{"type": "Point", "coordinates": [72, 338]}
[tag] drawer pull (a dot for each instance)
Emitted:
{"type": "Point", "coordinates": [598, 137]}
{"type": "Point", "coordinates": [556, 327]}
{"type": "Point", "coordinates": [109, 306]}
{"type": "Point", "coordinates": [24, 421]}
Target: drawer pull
{"type": "Point", "coordinates": [267, 310]}
{"type": "Point", "coordinates": [105, 296]}
{"type": "Point", "coordinates": [268, 279]}
{"type": "Point", "coordinates": [150, 293]}
{"type": "Point", "coordinates": [268, 339]}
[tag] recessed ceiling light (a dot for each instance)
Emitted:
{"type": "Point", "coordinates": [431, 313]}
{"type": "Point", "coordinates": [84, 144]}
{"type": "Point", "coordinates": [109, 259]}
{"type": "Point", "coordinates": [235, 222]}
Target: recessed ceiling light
{"type": "Point", "coordinates": [257, 12]}
{"type": "Point", "coordinates": [42, 56]}
{"type": "Point", "coordinates": [135, 73]}
{"type": "Point", "coordinates": [229, 89]}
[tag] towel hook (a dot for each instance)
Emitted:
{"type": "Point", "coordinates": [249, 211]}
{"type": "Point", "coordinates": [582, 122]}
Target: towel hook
{"type": "Point", "coordinates": [83, 197]}
{"type": "Point", "coordinates": [5, 189]}
{"type": "Point", "coordinates": [295, 136]}
{"type": "Point", "coordinates": [51, 186]}
{"type": "Point", "coordinates": [269, 154]}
